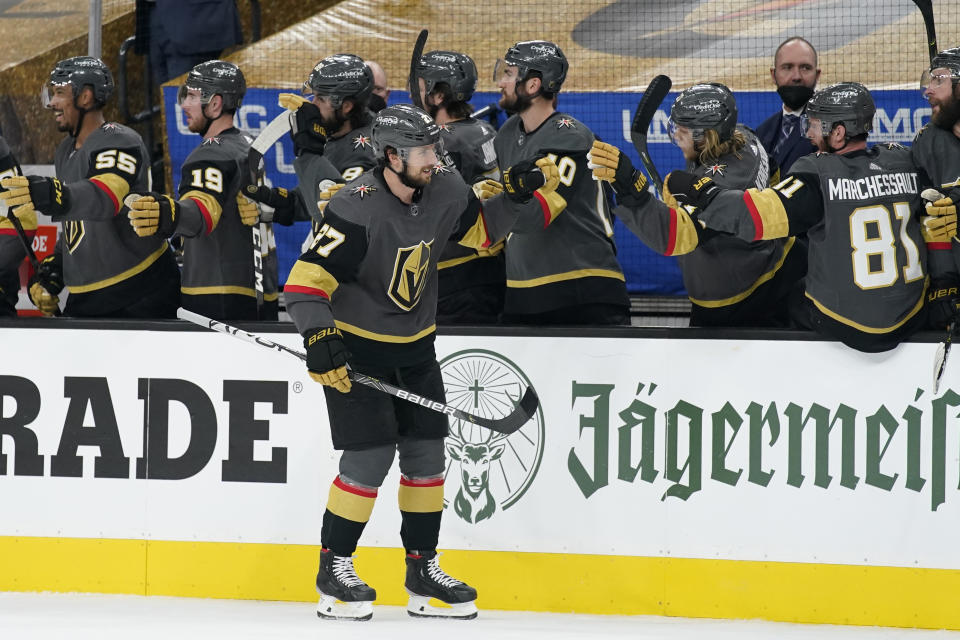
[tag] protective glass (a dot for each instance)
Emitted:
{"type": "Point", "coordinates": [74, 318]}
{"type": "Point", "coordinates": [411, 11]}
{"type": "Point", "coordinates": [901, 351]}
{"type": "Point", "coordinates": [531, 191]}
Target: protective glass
{"type": "Point", "coordinates": [807, 121]}
{"type": "Point", "coordinates": [422, 156]}
{"type": "Point", "coordinates": [673, 127]}
{"type": "Point", "coordinates": [49, 90]}
{"type": "Point", "coordinates": [936, 78]}
{"type": "Point", "coordinates": [503, 70]}
{"type": "Point", "coordinates": [184, 96]}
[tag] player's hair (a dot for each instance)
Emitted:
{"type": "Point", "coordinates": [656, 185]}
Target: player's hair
{"type": "Point", "coordinates": [360, 115]}
{"type": "Point", "coordinates": [710, 148]}
{"type": "Point", "coordinates": [456, 109]}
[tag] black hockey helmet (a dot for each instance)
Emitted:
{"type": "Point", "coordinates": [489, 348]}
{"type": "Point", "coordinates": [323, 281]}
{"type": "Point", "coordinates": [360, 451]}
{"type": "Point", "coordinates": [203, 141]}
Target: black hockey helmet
{"type": "Point", "coordinates": [403, 127]}
{"type": "Point", "coordinates": [339, 77]}
{"type": "Point", "coordinates": [80, 72]}
{"type": "Point", "coordinates": [455, 69]}
{"type": "Point", "coordinates": [847, 103]}
{"type": "Point", "coordinates": [536, 55]}
{"type": "Point", "coordinates": [948, 59]}
{"type": "Point", "coordinates": [709, 105]}
{"type": "Point", "coordinates": [216, 77]}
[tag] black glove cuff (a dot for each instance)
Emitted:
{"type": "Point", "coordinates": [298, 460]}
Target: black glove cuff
{"type": "Point", "coordinates": [325, 349]}
{"type": "Point", "coordinates": [309, 134]}
{"type": "Point", "coordinates": [49, 195]}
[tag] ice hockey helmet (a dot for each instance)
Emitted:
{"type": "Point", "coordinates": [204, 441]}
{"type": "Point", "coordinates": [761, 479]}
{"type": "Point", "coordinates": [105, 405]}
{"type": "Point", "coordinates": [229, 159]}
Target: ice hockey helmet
{"type": "Point", "coordinates": [341, 76]}
{"type": "Point", "coordinates": [82, 71]}
{"type": "Point", "coordinates": [402, 126]}
{"type": "Point", "coordinates": [849, 103]}
{"type": "Point", "coordinates": [216, 77]}
{"type": "Point", "coordinates": [542, 56]}
{"type": "Point", "coordinates": [709, 105]}
{"type": "Point", "coordinates": [947, 59]}
{"type": "Point", "coordinates": [455, 69]}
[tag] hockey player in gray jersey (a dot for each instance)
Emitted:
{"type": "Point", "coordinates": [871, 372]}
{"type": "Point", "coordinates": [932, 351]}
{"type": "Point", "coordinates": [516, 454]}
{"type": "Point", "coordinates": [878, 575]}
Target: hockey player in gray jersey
{"type": "Point", "coordinates": [211, 215]}
{"type": "Point", "coordinates": [12, 252]}
{"type": "Point", "coordinates": [331, 138]}
{"type": "Point", "coordinates": [109, 271]}
{"type": "Point", "coordinates": [861, 210]}
{"type": "Point", "coordinates": [366, 291]}
{"type": "Point", "coordinates": [730, 282]}
{"type": "Point", "coordinates": [936, 152]}
{"type": "Point", "coordinates": [471, 281]}
{"type": "Point", "coordinates": [568, 273]}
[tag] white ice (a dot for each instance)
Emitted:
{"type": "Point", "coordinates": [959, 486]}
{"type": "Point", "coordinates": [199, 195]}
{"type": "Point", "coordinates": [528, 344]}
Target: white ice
{"type": "Point", "coordinates": [47, 616]}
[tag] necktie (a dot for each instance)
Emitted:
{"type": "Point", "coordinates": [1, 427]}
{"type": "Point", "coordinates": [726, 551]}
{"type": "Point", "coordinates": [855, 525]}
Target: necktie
{"type": "Point", "coordinates": [788, 124]}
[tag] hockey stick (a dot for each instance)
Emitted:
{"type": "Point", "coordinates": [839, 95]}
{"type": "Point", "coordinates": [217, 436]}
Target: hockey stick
{"type": "Point", "coordinates": [926, 10]}
{"type": "Point", "coordinates": [521, 414]}
{"type": "Point", "coordinates": [650, 101]}
{"type": "Point", "coordinates": [414, 64]}
{"type": "Point", "coordinates": [940, 359]}
{"type": "Point", "coordinates": [27, 246]}
{"type": "Point", "coordinates": [264, 141]}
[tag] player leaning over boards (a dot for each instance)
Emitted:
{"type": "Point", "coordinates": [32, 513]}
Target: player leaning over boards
{"type": "Point", "coordinates": [730, 281]}
{"type": "Point", "coordinates": [366, 291]}
{"type": "Point", "coordinates": [211, 216]}
{"type": "Point", "coordinates": [471, 281]}
{"type": "Point", "coordinates": [861, 209]}
{"type": "Point", "coordinates": [936, 151]}
{"type": "Point", "coordinates": [568, 273]}
{"type": "Point", "coordinates": [108, 270]}
{"type": "Point", "coordinates": [12, 252]}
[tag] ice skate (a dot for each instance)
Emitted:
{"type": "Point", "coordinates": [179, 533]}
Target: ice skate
{"type": "Point", "coordinates": [426, 580]}
{"type": "Point", "coordinates": [343, 595]}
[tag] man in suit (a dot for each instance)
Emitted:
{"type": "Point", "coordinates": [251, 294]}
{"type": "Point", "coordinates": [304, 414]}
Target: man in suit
{"type": "Point", "coordinates": [795, 74]}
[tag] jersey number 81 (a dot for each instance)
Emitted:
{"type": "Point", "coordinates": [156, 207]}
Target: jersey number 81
{"type": "Point", "coordinates": [882, 271]}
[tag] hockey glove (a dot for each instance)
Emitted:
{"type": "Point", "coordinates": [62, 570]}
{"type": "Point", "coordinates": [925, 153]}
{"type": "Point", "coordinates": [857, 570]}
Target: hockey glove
{"type": "Point", "coordinates": [538, 176]}
{"type": "Point", "coordinates": [486, 189]}
{"type": "Point", "coordinates": [329, 189]}
{"type": "Point", "coordinates": [943, 302]}
{"type": "Point", "coordinates": [282, 201]}
{"type": "Point", "coordinates": [47, 195]}
{"type": "Point", "coordinates": [610, 165]}
{"type": "Point", "coordinates": [248, 210]}
{"type": "Point", "coordinates": [938, 204]}
{"type": "Point", "coordinates": [327, 358]}
{"type": "Point", "coordinates": [938, 228]}
{"type": "Point", "coordinates": [307, 130]}
{"type": "Point", "coordinates": [153, 214]}
{"type": "Point", "coordinates": [689, 189]}
{"type": "Point", "coordinates": [46, 283]}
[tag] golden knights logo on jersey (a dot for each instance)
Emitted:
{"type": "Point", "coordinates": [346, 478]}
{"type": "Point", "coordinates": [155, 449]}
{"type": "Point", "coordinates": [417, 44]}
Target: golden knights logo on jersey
{"type": "Point", "coordinates": [410, 275]}
{"type": "Point", "coordinates": [73, 232]}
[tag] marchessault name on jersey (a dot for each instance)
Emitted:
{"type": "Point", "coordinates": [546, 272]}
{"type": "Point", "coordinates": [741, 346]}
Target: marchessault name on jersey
{"type": "Point", "coordinates": [870, 187]}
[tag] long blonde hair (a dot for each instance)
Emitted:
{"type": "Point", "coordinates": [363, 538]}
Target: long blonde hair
{"type": "Point", "coordinates": [710, 148]}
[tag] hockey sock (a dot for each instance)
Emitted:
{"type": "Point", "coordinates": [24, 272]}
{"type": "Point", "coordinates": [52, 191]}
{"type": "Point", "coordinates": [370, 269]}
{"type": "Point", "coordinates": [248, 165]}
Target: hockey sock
{"type": "Point", "coordinates": [421, 505]}
{"type": "Point", "coordinates": [348, 510]}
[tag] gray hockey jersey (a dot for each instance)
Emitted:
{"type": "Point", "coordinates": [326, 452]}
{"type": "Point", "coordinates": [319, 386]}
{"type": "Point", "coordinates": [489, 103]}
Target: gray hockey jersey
{"type": "Point", "coordinates": [12, 252]}
{"type": "Point", "coordinates": [572, 259]}
{"type": "Point", "coordinates": [936, 153]}
{"type": "Point", "coordinates": [106, 266]}
{"type": "Point", "coordinates": [719, 270]}
{"type": "Point", "coordinates": [867, 259]}
{"type": "Point", "coordinates": [468, 144]}
{"type": "Point", "coordinates": [218, 269]}
{"type": "Point", "coordinates": [372, 268]}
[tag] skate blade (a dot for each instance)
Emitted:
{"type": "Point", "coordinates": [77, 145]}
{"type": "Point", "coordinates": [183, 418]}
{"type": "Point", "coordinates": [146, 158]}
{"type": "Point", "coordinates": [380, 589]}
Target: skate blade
{"type": "Point", "coordinates": [329, 608]}
{"type": "Point", "coordinates": [420, 607]}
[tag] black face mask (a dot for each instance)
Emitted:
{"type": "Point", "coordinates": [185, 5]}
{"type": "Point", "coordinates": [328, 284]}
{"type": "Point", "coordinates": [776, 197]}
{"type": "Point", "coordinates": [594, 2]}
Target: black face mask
{"type": "Point", "coordinates": [794, 95]}
{"type": "Point", "coordinates": [376, 103]}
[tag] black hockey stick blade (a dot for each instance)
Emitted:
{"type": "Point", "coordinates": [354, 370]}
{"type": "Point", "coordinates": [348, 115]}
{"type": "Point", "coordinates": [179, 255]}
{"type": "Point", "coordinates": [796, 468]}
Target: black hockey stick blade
{"type": "Point", "coordinates": [926, 10]}
{"type": "Point", "coordinates": [940, 359]}
{"type": "Point", "coordinates": [524, 410]}
{"type": "Point", "coordinates": [412, 83]}
{"type": "Point", "coordinates": [650, 101]}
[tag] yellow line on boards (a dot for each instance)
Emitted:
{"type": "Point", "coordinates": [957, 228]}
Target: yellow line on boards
{"type": "Point", "coordinates": [624, 585]}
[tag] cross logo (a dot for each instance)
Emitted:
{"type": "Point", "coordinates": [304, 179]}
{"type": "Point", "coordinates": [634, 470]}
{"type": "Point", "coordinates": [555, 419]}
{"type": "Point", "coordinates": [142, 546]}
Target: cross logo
{"type": "Point", "coordinates": [716, 168]}
{"type": "Point", "coordinates": [440, 167]}
{"type": "Point", "coordinates": [565, 123]}
{"type": "Point", "coordinates": [361, 141]}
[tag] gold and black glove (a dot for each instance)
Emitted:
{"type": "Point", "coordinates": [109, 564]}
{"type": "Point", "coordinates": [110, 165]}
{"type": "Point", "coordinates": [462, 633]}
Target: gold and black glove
{"type": "Point", "coordinates": [943, 302]}
{"type": "Point", "coordinates": [248, 210]}
{"type": "Point", "coordinates": [306, 124]}
{"type": "Point", "coordinates": [46, 283]}
{"type": "Point", "coordinates": [46, 195]}
{"type": "Point", "coordinates": [611, 165]}
{"type": "Point", "coordinates": [327, 358]}
{"type": "Point", "coordinates": [690, 189]}
{"type": "Point", "coordinates": [152, 214]}
{"type": "Point", "coordinates": [486, 189]}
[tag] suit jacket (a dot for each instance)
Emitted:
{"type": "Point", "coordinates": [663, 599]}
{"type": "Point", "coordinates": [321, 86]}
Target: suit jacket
{"type": "Point", "coordinates": [796, 146]}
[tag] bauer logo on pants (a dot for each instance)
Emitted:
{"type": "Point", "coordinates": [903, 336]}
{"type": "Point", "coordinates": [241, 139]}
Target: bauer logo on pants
{"type": "Point", "coordinates": [491, 471]}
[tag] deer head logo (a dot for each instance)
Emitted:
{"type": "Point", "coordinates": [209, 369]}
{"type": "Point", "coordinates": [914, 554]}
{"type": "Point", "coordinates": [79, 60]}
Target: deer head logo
{"type": "Point", "coordinates": [474, 502]}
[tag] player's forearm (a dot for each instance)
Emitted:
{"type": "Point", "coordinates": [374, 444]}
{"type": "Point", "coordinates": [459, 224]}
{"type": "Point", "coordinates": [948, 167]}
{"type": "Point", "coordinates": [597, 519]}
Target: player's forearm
{"type": "Point", "coordinates": [666, 230]}
{"type": "Point", "coordinates": [308, 311]}
{"type": "Point", "coordinates": [11, 249]}
{"type": "Point", "coordinates": [198, 215]}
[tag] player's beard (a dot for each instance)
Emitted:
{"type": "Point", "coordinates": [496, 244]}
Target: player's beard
{"type": "Point", "coordinates": [415, 178]}
{"type": "Point", "coordinates": [335, 122]}
{"type": "Point", "coordinates": [518, 103]}
{"type": "Point", "coordinates": [949, 112]}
